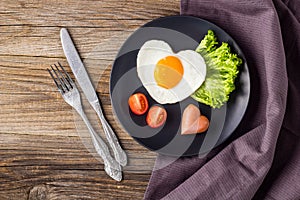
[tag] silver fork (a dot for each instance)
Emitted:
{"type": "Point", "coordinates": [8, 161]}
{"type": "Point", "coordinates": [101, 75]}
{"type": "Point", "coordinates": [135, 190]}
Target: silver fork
{"type": "Point", "coordinates": [71, 95]}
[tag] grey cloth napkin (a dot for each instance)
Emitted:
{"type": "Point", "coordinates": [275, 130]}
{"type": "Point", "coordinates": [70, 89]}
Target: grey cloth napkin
{"type": "Point", "coordinates": [262, 158]}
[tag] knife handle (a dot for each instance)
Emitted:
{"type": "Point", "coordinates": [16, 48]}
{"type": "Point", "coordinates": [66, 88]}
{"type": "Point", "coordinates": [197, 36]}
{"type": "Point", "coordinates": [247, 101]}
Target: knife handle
{"type": "Point", "coordinates": [119, 153]}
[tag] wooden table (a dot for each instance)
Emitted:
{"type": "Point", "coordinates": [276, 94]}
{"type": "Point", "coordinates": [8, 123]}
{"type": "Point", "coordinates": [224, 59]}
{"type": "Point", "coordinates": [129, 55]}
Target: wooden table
{"type": "Point", "coordinates": [42, 155]}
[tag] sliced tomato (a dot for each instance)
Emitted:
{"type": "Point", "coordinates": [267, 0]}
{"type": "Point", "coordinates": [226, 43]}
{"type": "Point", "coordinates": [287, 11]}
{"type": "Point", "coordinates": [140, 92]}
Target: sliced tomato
{"type": "Point", "coordinates": [138, 103]}
{"type": "Point", "coordinates": [156, 116]}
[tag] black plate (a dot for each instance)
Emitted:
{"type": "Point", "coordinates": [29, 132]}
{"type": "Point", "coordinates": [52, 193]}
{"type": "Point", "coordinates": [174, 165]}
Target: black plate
{"type": "Point", "coordinates": [181, 32]}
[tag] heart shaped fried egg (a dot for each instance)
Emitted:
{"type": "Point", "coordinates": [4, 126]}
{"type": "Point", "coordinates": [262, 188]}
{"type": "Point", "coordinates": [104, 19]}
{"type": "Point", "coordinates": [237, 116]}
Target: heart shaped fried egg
{"type": "Point", "coordinates": [167, 76]}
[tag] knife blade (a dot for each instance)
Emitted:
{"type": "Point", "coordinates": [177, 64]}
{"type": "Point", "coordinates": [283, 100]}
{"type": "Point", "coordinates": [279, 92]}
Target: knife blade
{"type": "Point", "coordinates": [87, 87]}
{"type": "Point", "coordinates": [77, 66]}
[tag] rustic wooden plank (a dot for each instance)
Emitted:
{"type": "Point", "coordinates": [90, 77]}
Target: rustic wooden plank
{"type": "Point", "coordinates": [56, 151]}
{"type": "Point", "coordinates": [30, 74]}
{"type": "Point", "coordinates": [75, 184]}
{"type": "Point", "coordinates": [85, 13]}
{"type": "Point", "coordinates": [45, 41]}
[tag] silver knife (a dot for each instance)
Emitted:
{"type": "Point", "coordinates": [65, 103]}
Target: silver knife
{"type": "Point", "coordinates": [85, 83]}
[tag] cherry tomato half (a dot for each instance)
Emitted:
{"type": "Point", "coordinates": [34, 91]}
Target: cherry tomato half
{"type": "Point", "coordinates": [138, 103]}
{"type": "Point", "coordinates": [156, 116]}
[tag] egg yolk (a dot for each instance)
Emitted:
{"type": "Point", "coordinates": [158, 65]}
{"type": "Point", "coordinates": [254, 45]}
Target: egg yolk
{"type": "Point", "coordinates": [168, 72]}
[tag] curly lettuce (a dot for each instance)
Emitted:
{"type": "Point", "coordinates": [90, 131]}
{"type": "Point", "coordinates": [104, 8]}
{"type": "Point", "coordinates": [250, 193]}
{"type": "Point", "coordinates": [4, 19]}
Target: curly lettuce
{"type": "Point", "coordinates": [222, 69]}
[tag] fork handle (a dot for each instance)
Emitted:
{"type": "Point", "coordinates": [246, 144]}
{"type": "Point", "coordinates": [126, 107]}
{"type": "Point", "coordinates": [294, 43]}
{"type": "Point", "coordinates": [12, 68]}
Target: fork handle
{"type": "Point", "coordinates": [111, 166]}
{"type": "Point", "coordinates": [119, 153]}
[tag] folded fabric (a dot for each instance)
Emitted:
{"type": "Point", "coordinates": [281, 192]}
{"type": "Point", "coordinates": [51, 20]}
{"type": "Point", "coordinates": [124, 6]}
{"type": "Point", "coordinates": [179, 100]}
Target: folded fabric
{"type": "Point", "coordinates": [262, 158]}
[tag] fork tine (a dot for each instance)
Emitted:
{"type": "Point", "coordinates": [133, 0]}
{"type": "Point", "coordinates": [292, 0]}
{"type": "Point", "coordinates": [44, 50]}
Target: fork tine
{"type": "Point", "coordinates": [67, 84]}
{"type": "Point", "coordinates": [54, 79]}
{"type": "Point", "coordinates": [63, 86]}
{"type": "Point", "coordinates": [67, 74]}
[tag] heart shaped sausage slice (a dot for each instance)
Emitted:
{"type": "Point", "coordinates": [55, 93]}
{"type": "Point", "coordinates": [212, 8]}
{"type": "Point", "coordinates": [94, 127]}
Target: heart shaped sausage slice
{"type": "Point", "coordinates": [192, 121]}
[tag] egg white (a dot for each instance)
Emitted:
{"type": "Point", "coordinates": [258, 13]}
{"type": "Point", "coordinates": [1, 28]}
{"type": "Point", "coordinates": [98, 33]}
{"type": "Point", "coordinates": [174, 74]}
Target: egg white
{"type": "Point", "coordinates": [194, 68]}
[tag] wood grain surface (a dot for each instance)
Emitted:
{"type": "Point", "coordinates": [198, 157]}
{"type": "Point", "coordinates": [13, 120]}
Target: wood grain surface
{"type": "Point", "coordinates": [42, 155]}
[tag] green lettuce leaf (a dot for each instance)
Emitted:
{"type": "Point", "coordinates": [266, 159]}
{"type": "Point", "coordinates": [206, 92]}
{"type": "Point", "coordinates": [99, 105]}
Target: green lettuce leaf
{"type": "Point", "coordinates": [222, 69]}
